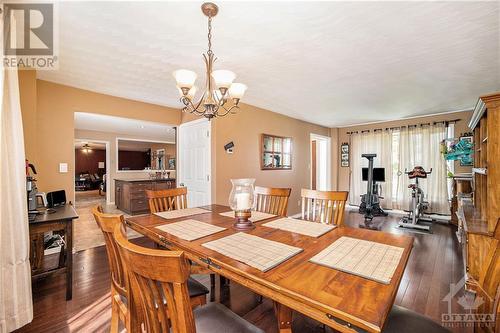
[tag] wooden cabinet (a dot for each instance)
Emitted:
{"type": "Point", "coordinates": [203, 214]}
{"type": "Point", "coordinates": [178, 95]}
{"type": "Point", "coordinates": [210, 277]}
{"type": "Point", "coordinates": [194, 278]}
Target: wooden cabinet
{"type": "Point", "coordinates": [462, 183]}
{"type": "Point", "coordinates": [479, 213]}
{"type": "Point", "coordinates": [130, 195]}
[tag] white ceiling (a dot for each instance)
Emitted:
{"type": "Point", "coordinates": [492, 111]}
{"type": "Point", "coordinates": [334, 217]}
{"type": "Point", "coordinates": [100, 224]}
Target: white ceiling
{"type": "Point", "coordinates": [331, 63]}
{"type": "Point", "coordinates": [125, 126]}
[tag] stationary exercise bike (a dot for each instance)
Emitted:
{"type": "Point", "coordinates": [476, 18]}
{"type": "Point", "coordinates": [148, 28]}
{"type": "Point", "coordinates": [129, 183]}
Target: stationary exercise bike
{"type": "Point", "coordinates": [418, 205]}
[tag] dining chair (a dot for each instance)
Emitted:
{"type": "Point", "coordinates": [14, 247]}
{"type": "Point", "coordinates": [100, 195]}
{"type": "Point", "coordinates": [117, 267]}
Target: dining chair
{"type": "Point", "coordinates": [121, 305]}
{"type": "Point", "coordinates": [401, 319]}
{"type": "Point", "coordinates": [272, 200]}
{"type": "Point", "coordinates": [173, 199]}
{"type": "Point", "coordinates": [158, 279]}
{"type": "Point", "coordinates": [324, 206]}
{"type": "Point", "coordinates": [165, 200]}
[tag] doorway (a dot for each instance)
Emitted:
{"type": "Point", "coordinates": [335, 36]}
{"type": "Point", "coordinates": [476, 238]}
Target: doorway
{"type": "Point", "coordinates": [194, 167]}
{"type": "Point", "coordinates": [91, 172]}
{"type": "Point", "coordinates": [320, 148]}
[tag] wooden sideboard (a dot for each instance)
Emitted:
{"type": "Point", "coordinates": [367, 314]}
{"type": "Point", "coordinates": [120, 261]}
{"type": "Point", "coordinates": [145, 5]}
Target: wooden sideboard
{"type": "Point", "coordinates": [130, 194]}
{"type": "Point", "coordinates": [59, 219]}
{"type": "Point", "coordinates": [479, 213]}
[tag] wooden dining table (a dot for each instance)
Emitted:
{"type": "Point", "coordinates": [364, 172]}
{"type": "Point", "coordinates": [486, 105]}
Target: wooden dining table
{"type": "Point", "coordinates": [342, 301]}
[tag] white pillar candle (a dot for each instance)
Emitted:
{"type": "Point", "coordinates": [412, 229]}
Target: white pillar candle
{"type": "Point", "coordinates": [243, 201]}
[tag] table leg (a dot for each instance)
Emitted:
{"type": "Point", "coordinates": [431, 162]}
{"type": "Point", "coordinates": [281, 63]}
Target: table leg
{"type": "Point", "coordinates": [284, 316]}
{"type": "Point", "coordinates": [69, 260]}
{"type": "Point", "coordinates": [36, 252]}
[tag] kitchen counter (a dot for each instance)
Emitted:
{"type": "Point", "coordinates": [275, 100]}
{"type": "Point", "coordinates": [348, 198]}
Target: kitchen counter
{"type": "Point", "coordinates": [140, 180]}
{"type": "Point", "coordinates": [130, 194]}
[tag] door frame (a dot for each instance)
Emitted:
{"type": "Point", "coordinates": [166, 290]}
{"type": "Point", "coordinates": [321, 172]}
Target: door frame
{"type": "Point", "coordinates": [318, 137]}
{"type": "Point", "coordinates": [108, 161]}
{"type": "Point", "coordinates": [209, 162]}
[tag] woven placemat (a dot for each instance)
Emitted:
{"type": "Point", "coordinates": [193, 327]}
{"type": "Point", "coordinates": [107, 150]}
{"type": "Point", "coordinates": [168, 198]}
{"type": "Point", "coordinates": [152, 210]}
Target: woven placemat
{"type": "Point", "coordinates": [256, 216]}
{"type": "Point", "coordinates": [254, 251]}
{"type": "Point", "coordinates": [371, 260]}
{"type": "Point", "coordinates": [302, 227]}
{"type": "Point", "coordinates": [190, 229]}
{"type": "Point", "coordinates": [174, 214]}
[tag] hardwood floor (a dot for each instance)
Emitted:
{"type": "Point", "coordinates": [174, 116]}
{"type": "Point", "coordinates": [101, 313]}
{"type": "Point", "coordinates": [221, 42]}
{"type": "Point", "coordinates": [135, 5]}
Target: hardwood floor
{"type": "Point", "coordinates": [435, 263]}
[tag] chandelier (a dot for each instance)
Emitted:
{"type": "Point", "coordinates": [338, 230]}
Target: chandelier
{"type": "Point", "coordinates": [221, 95]}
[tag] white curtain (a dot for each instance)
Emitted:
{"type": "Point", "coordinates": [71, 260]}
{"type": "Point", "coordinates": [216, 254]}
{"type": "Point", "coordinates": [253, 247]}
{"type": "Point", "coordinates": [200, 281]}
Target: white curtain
{"type": "Point", "coordinates": [420, 146]}
{"type": "Point", "coordinates": [16, 307]}
{"type": "Point", "coordinates": [380, 143]}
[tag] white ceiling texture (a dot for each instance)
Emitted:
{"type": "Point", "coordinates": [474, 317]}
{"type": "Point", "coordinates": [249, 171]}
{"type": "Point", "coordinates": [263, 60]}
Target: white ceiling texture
{"type": "Point", "coordinates": [125, 126]}
{"type": "Point", "coordinates": [330, 63]}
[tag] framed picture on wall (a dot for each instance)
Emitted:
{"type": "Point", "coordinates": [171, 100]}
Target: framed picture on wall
{"type": "Point", "coordinates": [469, 138]}
{"type": "Point", "coordinates": [344, 155]}
{"type": "Point", "coordinates": [171, 163]}
{"type": "Point", "coordinates": [275, 152]}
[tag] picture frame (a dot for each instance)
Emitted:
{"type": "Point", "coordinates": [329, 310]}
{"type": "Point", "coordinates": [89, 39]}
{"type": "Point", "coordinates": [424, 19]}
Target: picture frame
{"type": "Point", "coordinates": [171, 164]}
{"type": "Point", "coordinates": [275, 152]}
{"type": "Point", "coordinates": [344, 155]}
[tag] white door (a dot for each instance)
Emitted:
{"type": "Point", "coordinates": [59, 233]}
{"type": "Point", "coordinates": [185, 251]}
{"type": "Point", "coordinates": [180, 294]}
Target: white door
{"type": "Point", "coordinates": [194, 161]}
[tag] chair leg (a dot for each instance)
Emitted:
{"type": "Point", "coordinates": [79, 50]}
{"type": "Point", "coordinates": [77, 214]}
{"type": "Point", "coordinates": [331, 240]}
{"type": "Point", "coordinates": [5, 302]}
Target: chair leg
{"type": "Point", "coordinates": [115, 316]}
{"type": "Point", "coordinates": [224, 281]}
{"type": "Point", "coordinates": [212, 287]}
{"type": "Point", "coordinates": [198, 301]}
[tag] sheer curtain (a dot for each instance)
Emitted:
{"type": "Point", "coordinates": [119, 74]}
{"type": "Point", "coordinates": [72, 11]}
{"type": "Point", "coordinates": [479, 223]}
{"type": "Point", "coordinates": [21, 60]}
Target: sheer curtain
{"type": "Point", "coordinates": [420, 146]}
{"type": "Point", "coordinates": [16, 307]}
{"type": "Point", "coordinates": [380, 143]}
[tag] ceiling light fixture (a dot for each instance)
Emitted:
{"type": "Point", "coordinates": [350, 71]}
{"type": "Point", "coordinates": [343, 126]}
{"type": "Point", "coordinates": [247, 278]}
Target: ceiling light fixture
{"type": "Point", "coordinates": [86, 148]}
{"type": "Point", "coordinates": [219, 86]}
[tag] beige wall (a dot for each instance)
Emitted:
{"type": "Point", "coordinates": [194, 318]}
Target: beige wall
{"type": "Point", "coordinates": [460, 127]}
{"type": "Point", "coordinates": [335, 157]}
{"type": "Point", "coordinates": [113, 172]}
{"type": "Point", "coordinates": [55, 108]}
{"type": "Point", "coordinates": [49, 137]}
{"type": "Point", "coordinates": [27, 91]}
{"type": "Point", "coordinates": [245, 129]}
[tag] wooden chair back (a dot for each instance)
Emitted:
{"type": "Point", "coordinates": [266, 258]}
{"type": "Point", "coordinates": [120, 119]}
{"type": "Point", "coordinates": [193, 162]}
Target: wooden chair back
{"type": "Point", "coordinates": [324, 206]}
{"type": "Point", "coordinates": [164, 200]}
{"type": "Point", "coordinates": [107, 224]}
{"type": "Point", "coordinates": [158, 279]}
{"type": "Point", "coordinates": [272, 200]}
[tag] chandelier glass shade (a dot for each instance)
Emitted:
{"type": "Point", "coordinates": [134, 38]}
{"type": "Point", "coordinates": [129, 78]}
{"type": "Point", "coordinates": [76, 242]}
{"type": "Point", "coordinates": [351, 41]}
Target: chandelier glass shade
{"type": "Point", "coordinates": [221, 95]}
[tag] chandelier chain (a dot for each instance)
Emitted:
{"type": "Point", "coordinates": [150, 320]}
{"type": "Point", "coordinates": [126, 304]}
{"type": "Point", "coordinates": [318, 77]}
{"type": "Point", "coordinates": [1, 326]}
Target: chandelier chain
{"type": "Point", "coordinates": [214, 101]}
{"type": "Point", "coordinates": [209, 35]}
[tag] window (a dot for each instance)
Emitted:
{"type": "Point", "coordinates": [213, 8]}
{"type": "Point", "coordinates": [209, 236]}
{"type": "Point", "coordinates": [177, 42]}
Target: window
{"type": "Point", "coordinates": [276, 152]}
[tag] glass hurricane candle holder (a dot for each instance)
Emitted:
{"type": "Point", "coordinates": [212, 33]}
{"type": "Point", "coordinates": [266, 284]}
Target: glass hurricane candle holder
{"type": "Point", "coordinates": [241, 201]}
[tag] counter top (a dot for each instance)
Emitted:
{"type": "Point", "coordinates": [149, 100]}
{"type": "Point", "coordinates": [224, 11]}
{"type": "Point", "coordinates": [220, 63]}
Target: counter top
{"type": "Point", "coordinates": [63, 213]}
{"type": "Point", "coordinates": [144, 180]}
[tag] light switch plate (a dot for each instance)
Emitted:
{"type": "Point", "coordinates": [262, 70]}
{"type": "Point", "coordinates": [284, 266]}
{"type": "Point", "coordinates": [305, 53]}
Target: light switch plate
{"type": "Point", "coordinates": [63, 167]}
